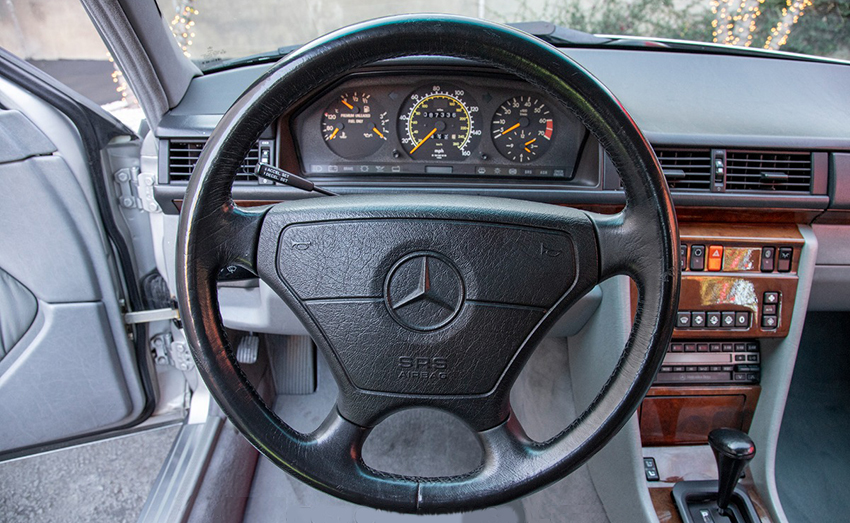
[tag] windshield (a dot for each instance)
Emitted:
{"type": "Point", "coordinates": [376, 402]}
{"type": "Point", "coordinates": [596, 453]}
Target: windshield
{"type": "Point", "coordinates": [214, 31]}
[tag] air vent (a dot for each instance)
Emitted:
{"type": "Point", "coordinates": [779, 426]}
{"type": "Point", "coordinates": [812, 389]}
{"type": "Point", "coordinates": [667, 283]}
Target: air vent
{"type": "Point", "coordinates": [768, 171]}
{"type": "Point", "coordinates": [686, 168]}
{"type": "Point", "coordinates": [183, 155]}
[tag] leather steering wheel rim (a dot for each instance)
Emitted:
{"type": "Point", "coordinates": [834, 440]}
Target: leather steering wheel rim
{"type": "Point", "coordinates": [641, 241]}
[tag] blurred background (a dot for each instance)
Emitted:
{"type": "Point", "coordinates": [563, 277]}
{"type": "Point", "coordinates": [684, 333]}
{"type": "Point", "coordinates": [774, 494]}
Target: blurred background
{"type": "Point", "coordinates": [58, 37]}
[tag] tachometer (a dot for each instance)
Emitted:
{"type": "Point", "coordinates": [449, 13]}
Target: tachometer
{"type": "Point", "coordinates": [354, 125]}
{"type": "Point", "coordinates": [439, 123]}
{"type": "Point", "coordinates": [522, 128]}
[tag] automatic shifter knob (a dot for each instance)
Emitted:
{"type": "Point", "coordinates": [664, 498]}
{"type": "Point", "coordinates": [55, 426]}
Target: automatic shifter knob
{"type": "Point", "coordinates": [733, 449]}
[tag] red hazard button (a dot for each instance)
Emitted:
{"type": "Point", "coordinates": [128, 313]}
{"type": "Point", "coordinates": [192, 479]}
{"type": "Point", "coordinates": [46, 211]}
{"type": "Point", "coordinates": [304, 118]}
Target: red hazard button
{"type": "Point", "coordinates": [715, 257]}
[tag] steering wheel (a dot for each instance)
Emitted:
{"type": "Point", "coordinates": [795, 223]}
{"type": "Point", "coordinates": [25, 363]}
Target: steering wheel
{"type": "Point", "coordinates": [427, 301]}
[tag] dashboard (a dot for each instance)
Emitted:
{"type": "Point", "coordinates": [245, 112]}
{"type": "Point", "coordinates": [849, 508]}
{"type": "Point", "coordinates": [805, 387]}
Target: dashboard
{"type": "Point", "coordinates": [760, 177]}
{"type": "Point", "coordinates": [461, 126]}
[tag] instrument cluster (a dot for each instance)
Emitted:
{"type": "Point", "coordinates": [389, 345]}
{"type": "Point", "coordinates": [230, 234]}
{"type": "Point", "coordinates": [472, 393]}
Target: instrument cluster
{"type": "Point", "coordinates": [471, 125]}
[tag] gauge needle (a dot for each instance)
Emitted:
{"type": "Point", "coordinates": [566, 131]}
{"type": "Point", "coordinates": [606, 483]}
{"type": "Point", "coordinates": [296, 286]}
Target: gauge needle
{"type": "Point", "coordinates": [434, 130]}
{"type": "Point", "coordinates": [350, 107]}
{"type": "Point", "coordinates": [379, 133]}
{"type": "Point", "coordinates": [509, 129]}
{"type": "Point", "coordinates": [333, 134]}
{"type": "Point", "coordinates": [526, 144]}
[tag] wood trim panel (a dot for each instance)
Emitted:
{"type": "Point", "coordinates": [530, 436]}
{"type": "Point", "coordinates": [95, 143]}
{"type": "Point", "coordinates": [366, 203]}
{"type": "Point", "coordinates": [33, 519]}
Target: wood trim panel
{"type": "Point", "coordinates": [684, 415]}
{"type": "Point", "coordinates": [737, 292]}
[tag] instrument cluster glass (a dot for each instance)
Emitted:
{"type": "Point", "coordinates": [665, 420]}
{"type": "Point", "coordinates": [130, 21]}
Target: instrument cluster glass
{"type": "Point", "coordinates": [467, 126]}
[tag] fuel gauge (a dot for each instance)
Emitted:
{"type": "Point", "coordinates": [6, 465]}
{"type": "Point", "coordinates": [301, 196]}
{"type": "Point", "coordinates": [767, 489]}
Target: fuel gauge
{"type": "Point", "coordinates": [354, 125]}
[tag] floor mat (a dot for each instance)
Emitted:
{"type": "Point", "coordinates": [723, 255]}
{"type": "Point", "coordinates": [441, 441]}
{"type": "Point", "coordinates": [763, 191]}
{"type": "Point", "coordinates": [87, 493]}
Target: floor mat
{"type": "Point", "coordinates": [813, 455]}
{"type": "Point", "coordinates": [542, 397]}
{"type": "Point", "coordinates": [107, 481]}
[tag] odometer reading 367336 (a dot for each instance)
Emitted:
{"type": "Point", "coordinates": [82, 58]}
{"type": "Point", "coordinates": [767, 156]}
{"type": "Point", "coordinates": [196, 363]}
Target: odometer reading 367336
{"type": "Point", "coordinates": [439, 123]}
{"type": "Point", "coordinates": [522, 129]}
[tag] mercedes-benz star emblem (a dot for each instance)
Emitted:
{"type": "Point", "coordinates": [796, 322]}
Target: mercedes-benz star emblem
{"type": "Point", "coordinates": [424, 291]}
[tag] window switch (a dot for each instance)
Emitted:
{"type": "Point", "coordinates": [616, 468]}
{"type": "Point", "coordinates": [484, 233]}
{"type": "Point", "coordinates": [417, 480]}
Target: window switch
{"type": "Point", "coordinates": [783, 260]}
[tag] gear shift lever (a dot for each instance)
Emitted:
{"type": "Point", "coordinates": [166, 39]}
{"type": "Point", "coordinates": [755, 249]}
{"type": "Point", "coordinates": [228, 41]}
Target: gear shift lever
{"type": "Point", "coordinates": [733, 449]}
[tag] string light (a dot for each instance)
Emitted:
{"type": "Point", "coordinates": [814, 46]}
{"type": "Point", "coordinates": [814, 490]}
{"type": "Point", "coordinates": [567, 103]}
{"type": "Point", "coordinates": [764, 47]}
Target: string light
{"type": "Point", "coordinates": [735, 23]}
{"type": "Point", "coordinates": [790, 15]}
{"type": "Point", "coordinates": [182, 24]}
{"type": "Point", "coordinates": [121, 87]}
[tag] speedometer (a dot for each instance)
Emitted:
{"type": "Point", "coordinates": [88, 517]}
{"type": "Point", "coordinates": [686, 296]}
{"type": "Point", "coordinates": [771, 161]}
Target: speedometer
{"type": "Point", "coordinates": [439, 123]}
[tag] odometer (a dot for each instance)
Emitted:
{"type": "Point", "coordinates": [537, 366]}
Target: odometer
{"type": "Point", "coordinates": [522, 129]}
{"type": "Point", "coordinates": [439, 123]}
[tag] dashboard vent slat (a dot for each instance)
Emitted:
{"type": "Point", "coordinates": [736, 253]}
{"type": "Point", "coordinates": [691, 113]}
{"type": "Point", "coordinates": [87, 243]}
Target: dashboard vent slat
{"type": "Point", "coordinates": [774, 171]}
{"type": "Point", "coordinates": [183, 155]}
{"type": "Point", "coordinates": [686, 168]}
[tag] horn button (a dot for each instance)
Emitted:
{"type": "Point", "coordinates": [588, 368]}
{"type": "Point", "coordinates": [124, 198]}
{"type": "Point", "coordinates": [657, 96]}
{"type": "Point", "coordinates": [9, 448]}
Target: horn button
{"type": "Point", "coordinates": [425, 307]}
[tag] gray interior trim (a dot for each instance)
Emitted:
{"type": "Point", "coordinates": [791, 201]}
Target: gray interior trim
{"type": "Point", "coordinates": [18, 308]}
{"type": "Point", "coordinates": [617, 469]}
{"type": "Point", "coordinates": [57, 128]}
{"type": "Point", "coordinates": [61, 381]}
{"type": "Point", "coordinates": [830, 288]}
{"type": "Point", "coordinates": [831, 282]}
{"type": "Point", "coordinates": [174, 490]}
{"type": "Point", "coordinates": [833, 243]}
{"type": "Point", "coordinates": [777, 365]}
{"type": "Point", "coordinates": [666, 94]}
{"type": "Point", "coordinates": [20, 139]}
{"type": "Point", "coordinates": [173, 69]}
{"type": "Point", "coordinates": [839, 180]}
{"type": "Point", "coordinates": [119, 36]}
{"type": "Point", "coordinates": [44, 213]}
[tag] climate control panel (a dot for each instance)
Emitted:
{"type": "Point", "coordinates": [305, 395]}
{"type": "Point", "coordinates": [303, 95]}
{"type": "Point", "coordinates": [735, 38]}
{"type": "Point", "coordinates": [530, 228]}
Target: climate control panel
{"type": "Point", "coordinates": [738, 281]}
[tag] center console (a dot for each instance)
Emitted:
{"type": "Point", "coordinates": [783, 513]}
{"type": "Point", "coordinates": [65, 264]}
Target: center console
{"type": "Point", "coordinates": [738, 288]}
{"type": "Point", "coordinates": [738, 294]}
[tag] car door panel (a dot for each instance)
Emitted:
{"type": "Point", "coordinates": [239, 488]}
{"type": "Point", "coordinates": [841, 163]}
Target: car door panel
{"type": "Point", "coordinates": [68, 368]}
{"type": "Point", "coordinates": [18, 307]}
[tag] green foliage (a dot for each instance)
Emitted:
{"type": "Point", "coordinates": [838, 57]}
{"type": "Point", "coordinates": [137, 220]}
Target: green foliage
{"type": "Point", "coordinates": [658, 18]}
{"type": "Point", "coordinates": [823, 30]}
